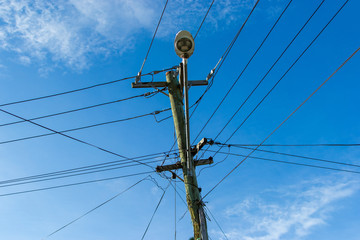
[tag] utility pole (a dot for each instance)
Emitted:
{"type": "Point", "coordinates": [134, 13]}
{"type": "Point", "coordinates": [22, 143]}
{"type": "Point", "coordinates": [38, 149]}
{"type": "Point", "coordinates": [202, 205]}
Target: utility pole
{"type": "Point", "coordinates": [191, 186]}
{"type": "Point", "coordinates": [184, 47]}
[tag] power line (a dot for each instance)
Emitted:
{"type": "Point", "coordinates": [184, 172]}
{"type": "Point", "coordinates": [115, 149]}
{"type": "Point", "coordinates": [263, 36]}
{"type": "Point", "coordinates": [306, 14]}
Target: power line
{"type": "Point", "coordinates": [292, 163]}
{"type": "Point", "coordinates": [217, 223]}
{"type": "Point", "coordinates": [222, 59]}
{"type": "Point", "coordinates": [85, 88]}
{"type": "Point", "coordinates": [297, 156]}
{"type": "Point", "coordinates": [202, 22]}
{"type": "Point", "coordinates": [302, 145]}
{"type": "Point", "coordinates": [81, 173]}
{"type": "Point", "coordinates": [74, 129]}
{"type": "Point", "coordinates": [152, 40]}
{"type": "Point", "coordinates": [70, 137]}
{"type": "Point", "coordinates": [93, 209]}
{"type": "Point", "coordinates": [274, 86]}
{"type": "Point", "coordinates": [157, 207]}
{"type": "Point", "coordinates": [74, 184]}
{"type": "Point", "coordinates": [87, 167]}
{"type": "Point", "coordinates": [287, 117]}
{"type": "Point", "coordinates": [248, 63]}
{"type": "Point", "coordinates": [83, 108]}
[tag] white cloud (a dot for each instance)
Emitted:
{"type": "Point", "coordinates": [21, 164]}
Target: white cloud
{"type": "Point", "coordinates": [71, 31]}
{"type": "Point", "coordinates": [25, 60]}
{"type": "Point", "coordinates": [288, 214]}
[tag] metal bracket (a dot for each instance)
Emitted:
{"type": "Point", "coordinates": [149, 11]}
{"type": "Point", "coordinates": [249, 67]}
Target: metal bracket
{"type": "Point", "coordinates": [178, 165]}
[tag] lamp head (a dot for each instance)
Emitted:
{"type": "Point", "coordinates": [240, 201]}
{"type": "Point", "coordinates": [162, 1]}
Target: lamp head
{"type": "Point", "coordinates": [184, 44]}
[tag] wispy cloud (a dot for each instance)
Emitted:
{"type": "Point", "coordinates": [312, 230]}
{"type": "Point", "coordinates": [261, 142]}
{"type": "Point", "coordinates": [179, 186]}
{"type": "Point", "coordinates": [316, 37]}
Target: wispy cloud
{"type": "Point", "coordinates": [291, 213]}
{"type": "Point", "coordinates": [71, 31]}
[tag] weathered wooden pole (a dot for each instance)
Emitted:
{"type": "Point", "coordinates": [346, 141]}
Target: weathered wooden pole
{"type": "Point", "coordinates": [192, 191]}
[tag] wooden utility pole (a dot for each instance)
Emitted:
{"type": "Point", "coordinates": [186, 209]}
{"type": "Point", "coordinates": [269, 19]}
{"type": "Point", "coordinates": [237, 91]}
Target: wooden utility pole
{"type": "Point", "coordinates": [191, 186]}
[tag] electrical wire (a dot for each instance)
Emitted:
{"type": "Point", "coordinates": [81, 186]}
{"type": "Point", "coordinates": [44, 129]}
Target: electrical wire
{"type": "Point", "coordinates": [70, 137]}
{"type": "Point", "coordinates": [292, 163]}
{"type": "Point", "coordinates": [152, 40]}
{"type": "Point", "coordinates": [157, 207]}
{"type": "Point", "coordinates": [81, 173]}
{"type": "Point", "coordinates": [282, 77]}
{"type": "Point", "coordinates": [217, 223]}
{"type": "Point", "coordinates": [297, 156]}
{"type": "Point", "coordinates": [74, 129]}
{"type": "Point", "coordinates": [243, 70]}
{"type": "Point", "coordinates": [74, 184]}
{"type": "Point", "coordinates": [222, 59]}
{"type": "Point", "coordinates": [85, 88]}
{"type": "Point", "coordinates": [86, 168]}
{"type": "Point", "coordinates": [321, 85]}
{"type": "Point", "coordinates": [80, 109]}
{"type": "Point", "coordinates": [93, 209]}
{"type": "Point", "coordinates": [303, 145]}
{"type": "Point", "coordinates": [202, 22]}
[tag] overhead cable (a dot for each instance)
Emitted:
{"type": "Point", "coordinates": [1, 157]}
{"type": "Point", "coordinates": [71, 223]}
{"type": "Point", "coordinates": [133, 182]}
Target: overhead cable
{"type": "Point", "coordinates": [152, 40]}
{"type": "Point", "coordinates": [157, 207]}
{"type": "Point", "coordinates": [87, 167]}
{"type": "Point", "coordinates": [83, 108]}
{"type": "Point", "coordinates": [75, 129]}
{"type": "Point", "coordinates": [292, 163]}
{"type": "Point", "coordinates": [93, 209]}
{"type": "Point", "coordinates": [202, 22]}
{"type": "Point", "coordinates": [73, 184]}
{"type": "Point", "coordinates": [302, 145]}
{"type": "Point", "coordinates": [282, 123]}
{"type": "Point", "coordinates": [294, 155]}
{"type": "Point", "coordinates": [86, 88]}
{"type": "Point", "coordinates": [70, 137]}
{"type": "Point", "coordinates": [217, 223]}
{"type": "Point", "coordinates": [248, 63]}
{"type": "Point", "coordinates": [282, 77]}
{"type": "Point", "coordinates": [222, 59]}
{"type": "Point", "coordinates": [82, 172]}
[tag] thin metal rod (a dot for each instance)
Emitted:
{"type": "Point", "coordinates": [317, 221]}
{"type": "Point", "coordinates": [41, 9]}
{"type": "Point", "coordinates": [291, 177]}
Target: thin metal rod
{"type": "Point", "coordinates": [187, 125]}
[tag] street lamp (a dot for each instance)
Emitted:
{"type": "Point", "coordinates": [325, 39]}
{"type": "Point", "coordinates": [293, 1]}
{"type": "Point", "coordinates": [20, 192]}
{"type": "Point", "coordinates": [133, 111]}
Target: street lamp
{"type": "Point", "coordinates": [184, 44]}
{"type": "Point", "coordinates": [184, 48]}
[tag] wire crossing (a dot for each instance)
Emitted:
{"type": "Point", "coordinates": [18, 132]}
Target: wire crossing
{"type": "Point", "coordinates": [73, 138]}
{"type": "Point", "coordinates": [75, 129]}
{"type": "Point", "coordinates": [282, 123]}
{"type": "Point", "coordinates": [281, 78]}
{"type": "Point", "coordinates": [248, 63]}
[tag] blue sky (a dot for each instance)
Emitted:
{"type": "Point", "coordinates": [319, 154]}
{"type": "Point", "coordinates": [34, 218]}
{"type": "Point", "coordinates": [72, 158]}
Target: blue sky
{"type": "Point", "coordinates": [47, 47]}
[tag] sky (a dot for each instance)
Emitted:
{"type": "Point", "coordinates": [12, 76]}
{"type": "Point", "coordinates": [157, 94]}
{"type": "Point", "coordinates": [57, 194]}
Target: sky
{"type": "Point", "coordinates": [49, 47]}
